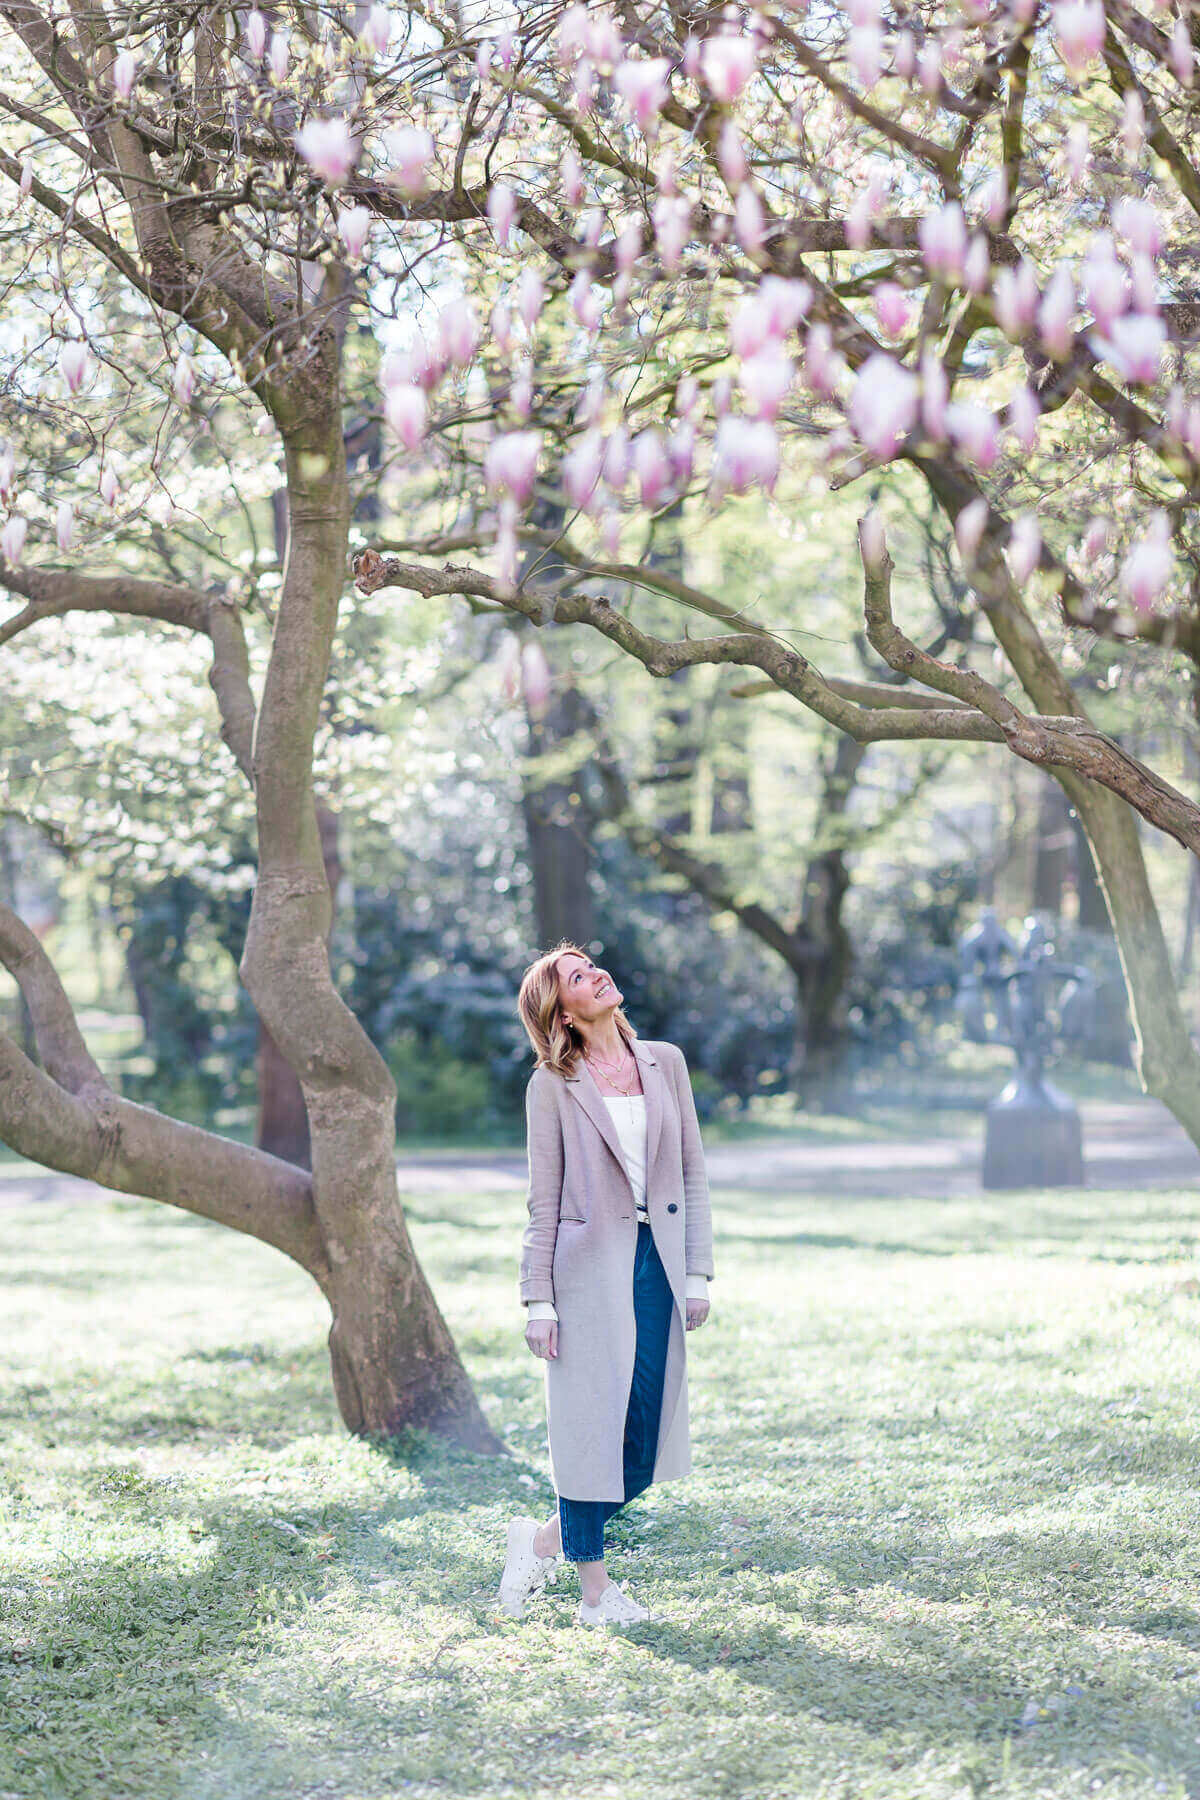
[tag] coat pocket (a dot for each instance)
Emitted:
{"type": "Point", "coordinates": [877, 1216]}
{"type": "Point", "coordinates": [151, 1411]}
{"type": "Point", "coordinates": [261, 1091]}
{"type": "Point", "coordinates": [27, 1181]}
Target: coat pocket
{"type": "Point", "coordinates": [571, 1209]}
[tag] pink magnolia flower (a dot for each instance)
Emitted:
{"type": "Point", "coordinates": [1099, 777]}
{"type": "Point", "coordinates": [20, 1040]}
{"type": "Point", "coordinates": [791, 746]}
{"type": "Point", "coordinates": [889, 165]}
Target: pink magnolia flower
{"type": "Point", "coordinates": [354, 228]}
{"type": "Point", "coordinates": [410, 152]}
{"type": "Point", "coordinates": [892, 308]}
{"type": "Point", "coordinates": [585, 300]}
{"type": "Point", "coordinates": [1190, 432]}
{"type": "Point", "coordinates": [279, 56]}
{"type": "Point", "coordinates": [508, 667]}
{"type": "Point", "coordinates": [12, 539]}
{"type": "Point", "coordinates": [1095, 539]}
{"type": "Point", "coordinates": [872, 540]}
{"type": "Point", "coordinates": [929, 67]}
{"type": "Point", "coordinates": [616, 459]}
{"type": "Point", "coordinates": [749, 222]}
{"type": "Point", "coordinates": [501, 323]}
{"type": "Point", "coordinates": [865, 53]}
{"type": "Point", "coordinates": [969, 527]}
{"type": "Point", "coordinates": [1148, 565]}
{"type": "Point", "coordinates": [904, 58]}
{"type": "Point", "coordinates": [506, 48]}
{"type": "Point", "coordinates": [1144, 283]}
{"type": "Point", "coordinates": [1015, 298]}
{"type": "Point", "coordinates": [651, 468]}
{"type": "Point", "coordinates": [25, 183]}
{"type": "Point", "coordinates": [973, 429]}
{"type": "Point", "coordinates": [581, 469]}
{"type": "Point", "coordinates": [571, 36]}
{"type": "Point", "coordinates": [520, 394]}
{"type": "Point", "coordinates": [255, 36]}
{"type": "Point", "coordinates": [642, 85]}
{"type": "Point", "coordinates": [458, 333]}
{"type": "Point", "coordinates": [405, 409]}
{"type": "Point", "coordinates": [672, 228]}
{"type": "Point", "coordinates": [1057, 312]}
{"type": "Point", "coordinates": [765, 380]}
{"type": "Point", "coordinates": [942, 236]}
{"type": "Point", "coordinates": [571, 176]}
{"type": "Point", "coordinates": [745, 455]}
{"type": "Point", "coordinates": [531, 297]}
{"type": "Point", "coordinates": [483, 60]}
{"type": "Point", "coordinates": [1183, 59]}
{"type": "Point", "coordinates": [510, 464]}
{"type": "Point", "coordinates": [883, 406]}
{"type": "Point", "coordinates": [1079, 28]}
{"type": "Point", "coordinates": [183, 381]}
{"type": "Point", "coordinates": [994, 196]}
{"type": "Point", "coordinates": [583, 86]}
{"type": "Point", "coordinates": [74, 364]}
{"type": "Point", "coordinates": [110, 487]}
{"type": "Point", "coordinates": [823, 366]}
{"type": "Point", "coordinates": [1024, 416]}
{"type": "Point", "coordinates": [535, 678]}
{"type": "Point", "coordinates": [1024, 547]}
{"type": "Point", "coordinates": [502, 212]}
{"type": "Point", "coordinates": [1138, 223]}
{"type": "Point", "coordinates": [1105, 283]}
{"type": "Point", "coordinates": [935, 392]}
{"type": "Point", "coordinates": [731, 156]}
{"type": "Point", "coordinates": [977, 264]}
{"type": "Point", "coordinates": [8, 471]}
{"type": "Point", "coordinates": [1078, 151]}
{"type": "Point", "coordinates": [376, 31]}
{"type": "Point", "coordinates": [124, 74]}
{"type": "Point", "coordinates": [328, 148]}
{"type": "Point", "coordinates": [64, 525]}
{"type": "Point", "coordinates": [727, 64]}
{"type": "Point", "coordinates": [681, 452]}
{"type": "Point", "coordinates": [687, 396]}
{"type": "Point", "coordinates": [1134, 346]}
{"type": "Point", "coordinates": [629, 246]}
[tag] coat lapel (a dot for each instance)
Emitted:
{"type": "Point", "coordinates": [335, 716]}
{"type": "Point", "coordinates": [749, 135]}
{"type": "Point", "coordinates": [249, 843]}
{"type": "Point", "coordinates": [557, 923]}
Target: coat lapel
{"type": "Point", "coordinates": [583, 1085]}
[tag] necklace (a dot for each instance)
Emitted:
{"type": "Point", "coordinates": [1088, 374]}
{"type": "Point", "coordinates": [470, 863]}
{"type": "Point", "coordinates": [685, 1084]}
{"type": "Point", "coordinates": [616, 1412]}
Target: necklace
{"type": "Point", "coordinates": [627, 1091]}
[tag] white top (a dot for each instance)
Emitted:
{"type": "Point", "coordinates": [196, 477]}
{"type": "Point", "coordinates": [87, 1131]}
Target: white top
{"type": "Point", "coordinates": [629, 1116]}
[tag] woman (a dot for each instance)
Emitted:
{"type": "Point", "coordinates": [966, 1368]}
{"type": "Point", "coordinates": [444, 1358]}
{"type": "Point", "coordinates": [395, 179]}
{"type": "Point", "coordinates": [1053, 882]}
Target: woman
{"type": "Point", "coordinates": [615, 1264]}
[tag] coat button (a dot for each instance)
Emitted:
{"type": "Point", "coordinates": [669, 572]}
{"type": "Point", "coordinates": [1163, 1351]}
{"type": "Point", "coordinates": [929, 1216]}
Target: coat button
{"type": "Point", "coordinates": [671, 1206]}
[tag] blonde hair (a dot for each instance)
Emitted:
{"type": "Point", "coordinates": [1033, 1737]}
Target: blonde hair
{"type": "Point", "coordinates": [556, 1045]}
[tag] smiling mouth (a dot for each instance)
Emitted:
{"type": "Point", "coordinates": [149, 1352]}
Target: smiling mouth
{"type": "Point", "coordinates": [603, 988]}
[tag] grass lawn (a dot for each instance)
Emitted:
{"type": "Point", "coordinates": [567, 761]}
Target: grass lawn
{"type": "Point", "coordinates": [943, 1537]}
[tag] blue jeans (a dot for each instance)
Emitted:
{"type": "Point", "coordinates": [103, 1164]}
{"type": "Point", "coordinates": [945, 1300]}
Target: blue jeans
{"type": "Point", "coordinates": [583, 1521]}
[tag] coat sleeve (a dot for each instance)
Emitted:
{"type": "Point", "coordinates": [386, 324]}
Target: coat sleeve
{"type": "Point", "coordinates": [545, 1144]}
{"type": "Point", "coordinates": [697, 1211]}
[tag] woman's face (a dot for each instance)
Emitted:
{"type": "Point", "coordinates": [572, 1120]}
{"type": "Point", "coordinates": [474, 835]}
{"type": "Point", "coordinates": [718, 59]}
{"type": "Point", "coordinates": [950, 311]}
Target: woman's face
{"type": "Point", "coordinates": [586, 992]}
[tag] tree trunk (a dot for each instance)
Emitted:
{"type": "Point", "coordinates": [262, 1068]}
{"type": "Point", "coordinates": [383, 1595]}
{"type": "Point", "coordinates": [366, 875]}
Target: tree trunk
{"type": "Point", "coordinates": [822, 974]}
{"type": "Point", "coordinates": [560, 854]}
{"type": "Point", "coordinates": [1051, 848]}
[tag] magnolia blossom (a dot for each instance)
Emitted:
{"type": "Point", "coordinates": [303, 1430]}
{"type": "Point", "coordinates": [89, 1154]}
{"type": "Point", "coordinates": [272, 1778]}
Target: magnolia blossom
{"type": "Point", "coordinates": [377, 29]}
{"type": "Point", "coordinates": [994, 197]}
{"type": "Point", "coordinates": [935, 392]}
{"type": "Point", "coordinates": [405, 410]}
{"type": "Point", "coordinates": [727, 64]}
{"type": "Point", "coordinates": [749, 221]}
{"type": "Point", "coordinates": [328, 148]}
{"type": "Point", "coordinates": [110, 487]}
{"type": "Point", "coordinates": [124, 74]}
{"type": "Point", "coordinates": [1015, 298]}
{"type": "Point", "coordinates": [823, 367]}
{"type": "Point", "coordinates": [410, 152]}
{"type": "Point", "coordinates": [1144, 282]}
{"type": "Point", "coordinates": [1056, 313]}
{"type": "Point", "coordinates": [25, 181]}
{"type": "Point", "coordinates": [929, 67]}
{"type": "Point", "coordinates": [64, 525]}
{"type": "Point", "coordinates": [892, 308]}
{"type": "Point", "coordinates": [872, 540]}
{"type": "Point", "coordinates": [74, 364]}
{"type": "Point", "coordinates": [12, 538]}
{"type": "Point", "coordinates": [745, 455]}
{"type": "Point", "coordinates": [1077, 151]}
{"type": "Point", "coordinates": [1148, 564]}
{"type": "Point", "coordinates": [571, 175]}
{"type": "Point", "coordinates": [1024, 414]}
{"type": "Point", "coordinates": [255, 36]}
{"type": "Point", "coordinates": [765, 380]}
{"type": "Point", "coordinates": [1138, 223]}
{"type": "Point", "coordinates": [458, 333]}
{"type": "Point", "coordinates": [8, 470]}
{"type": "Point", "coordinates": [1079, 28]}
{"type": "Point", "coordinates": [1095, 540]}
{"type": "Point", "coordinates": [1133, 125]}
{"type": "Point", "coordinates": [535, 678]}
{"type": "Point", "coordinates": [942, 236]}
{"type": "Point", "coordinates": [354, 228]}
{"type": "Point", "coordinates": [510, 464]}
{"type": "Point", "coordinates": [977, 264]}
{"type": "Point", "coordinates": [672, 228]}
{"type": "Point", "coordinates": [883, 406]}
{"type": "Point", "coordinates": [1183, 59]}
{"type": "Point", "coordinates": [865, 53]}
{"type": "Point", "coordinates": [642, 85]}
{"type": "Point", "coordinates": [904, 57]}
{"type": "Point", "coordinates": [1105, 283]}
{"type": "Point", "coordinates": [681, 452]}
{"type": "Point", "coordinates": [585, 300]}
{"type": "Point", "coordinates": [502, 212]}
{"type": "Point", "coordinates": [731, 156]}
{"type": "Point", "coordinates": [530, 297]}
{"type": "Point", "coordinates": [183, 380]}
{"type": "Point", "coordinates": [501, 322]}
{"type": "Point", "coordinates": [616, 459]}
{"type": "Point", "coordinates": [651, 468]}
{"type": "Point", "coordinates": [581, 469]}
{"type": "Point", "coordinates": [520, 394]}
{"type": "Point", "coordinates": [973, 429]}
{"type": "Point", "coordinates": [1134, 346]}
{"type": "Point", "coordinates": [629, 246]}
{"type": "Point", "coordinates": [1024, 547]}
{"type": "Point", "coordinates": [969, 527]}
{"type": "Point", "coordinates": [279, 56]}
{"type": "Point", "coordinates": [687, 396]}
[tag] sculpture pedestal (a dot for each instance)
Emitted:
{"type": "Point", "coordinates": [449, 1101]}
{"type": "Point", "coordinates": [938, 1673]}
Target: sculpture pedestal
{"type": "Point", "coordinates": [1034, 1138]}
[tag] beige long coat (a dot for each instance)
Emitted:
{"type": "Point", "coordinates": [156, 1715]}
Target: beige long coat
{"type": "Point", "coordinates": [578, 1252]}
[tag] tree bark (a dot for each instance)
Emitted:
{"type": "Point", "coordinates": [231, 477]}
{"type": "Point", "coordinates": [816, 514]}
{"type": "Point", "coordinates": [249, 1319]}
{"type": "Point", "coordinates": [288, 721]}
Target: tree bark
{"type": "Point", "coordinates": [559, 851]}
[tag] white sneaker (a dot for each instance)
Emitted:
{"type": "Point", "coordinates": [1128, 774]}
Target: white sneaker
{"type": "Point", "coordinates": [614, 1607]}
{"type": "Point", "coordinates": [524, 1570]}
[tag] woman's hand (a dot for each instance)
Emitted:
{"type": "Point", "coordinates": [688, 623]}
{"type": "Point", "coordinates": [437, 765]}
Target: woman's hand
{"type": "Point", "coordinates": [542, 1337]}
{"type": "Point", "coordinates": [697, 1312]}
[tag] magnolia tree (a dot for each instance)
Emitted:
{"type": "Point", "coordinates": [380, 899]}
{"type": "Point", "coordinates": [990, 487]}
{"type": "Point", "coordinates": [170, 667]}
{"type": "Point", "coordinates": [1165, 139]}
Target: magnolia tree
{"type": "Point", "coordinates": [621, 265]}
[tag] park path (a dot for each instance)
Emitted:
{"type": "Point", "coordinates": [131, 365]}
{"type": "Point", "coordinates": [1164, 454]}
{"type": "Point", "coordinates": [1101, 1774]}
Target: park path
{"type": "Point", "coordinates": [1126, 1144]}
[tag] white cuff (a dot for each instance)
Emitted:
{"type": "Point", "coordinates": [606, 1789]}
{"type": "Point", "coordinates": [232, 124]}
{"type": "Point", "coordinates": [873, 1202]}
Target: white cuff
{"type": "Point", "coordinates": [540, 1309]}
{"type": "Point", "coordinates": [697, 1287]}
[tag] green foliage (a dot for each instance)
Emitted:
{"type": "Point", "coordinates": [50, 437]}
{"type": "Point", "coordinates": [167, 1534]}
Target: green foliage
{"type": "Point", "coordinates": [939, 1540]}
{"type": "Point", "coordinates": [439, 1094]}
